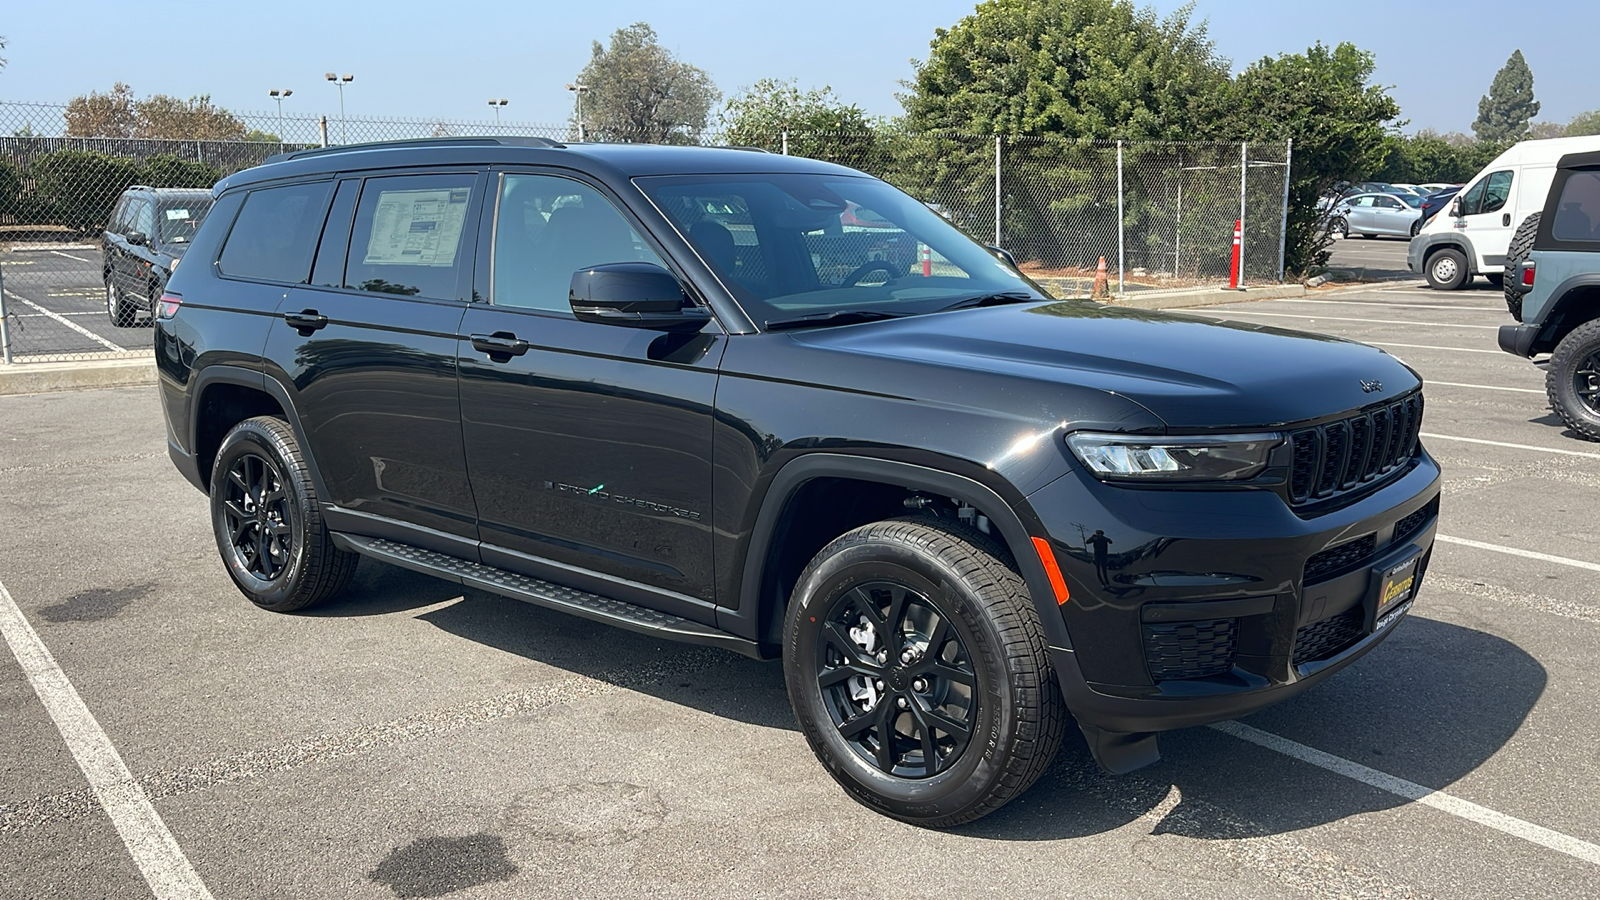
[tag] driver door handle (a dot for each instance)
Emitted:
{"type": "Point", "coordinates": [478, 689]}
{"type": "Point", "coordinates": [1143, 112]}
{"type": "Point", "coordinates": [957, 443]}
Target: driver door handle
{"type": "Point", "coordinates": [501, 346]}
{"type": "Point", "coordinates": [306, 321]}
{"type": "Point", "coordinates": [1505, 219]}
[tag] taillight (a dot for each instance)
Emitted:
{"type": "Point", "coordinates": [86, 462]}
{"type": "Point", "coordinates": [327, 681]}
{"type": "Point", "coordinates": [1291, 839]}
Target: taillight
{"type": "Point", "coordinates": [1527, 274]}
{"type": "Point", "coordinates": [168, 306]}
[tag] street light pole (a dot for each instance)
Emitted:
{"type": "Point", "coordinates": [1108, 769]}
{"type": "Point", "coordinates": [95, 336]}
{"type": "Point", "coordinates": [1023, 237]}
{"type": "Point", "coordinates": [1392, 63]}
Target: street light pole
{"type": "Point", "coordinates": [339, 81]}
{"type": "Point", "coordinates": [280, 96]}
{"type": "Point", "coordinates": [580, 90]}
{"type": "Point", "coordinates": [498, 105]}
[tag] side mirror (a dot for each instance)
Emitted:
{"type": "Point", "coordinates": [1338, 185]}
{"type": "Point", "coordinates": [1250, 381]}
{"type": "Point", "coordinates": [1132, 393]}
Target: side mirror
{"type": "Point", "coordinates": [1455, 208]}
{"type": "Point", "coordinates": [1002, 254]}
{"type": "Point", "coordinates": [138, 238]}
{"type": "Point", "coordinates": [636, 295]}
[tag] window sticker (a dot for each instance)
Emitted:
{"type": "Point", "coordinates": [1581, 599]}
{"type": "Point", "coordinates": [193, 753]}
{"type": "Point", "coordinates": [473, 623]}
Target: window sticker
{"type": "Point", "coordinates": [417, 228]}
{"type": "Point", "coordinates": [177, 214]}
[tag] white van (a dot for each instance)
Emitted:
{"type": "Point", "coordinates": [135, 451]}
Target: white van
{"type": "Point", "coordinates": [1471, 236]}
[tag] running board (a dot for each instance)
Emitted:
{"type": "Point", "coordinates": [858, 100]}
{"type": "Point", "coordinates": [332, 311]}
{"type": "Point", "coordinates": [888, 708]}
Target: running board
{"type": "Point", "coordinates": [544, 593]}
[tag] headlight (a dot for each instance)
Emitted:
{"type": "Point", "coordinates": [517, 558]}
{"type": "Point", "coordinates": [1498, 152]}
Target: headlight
{"type": "Point", "coordinates": [1223, 457]}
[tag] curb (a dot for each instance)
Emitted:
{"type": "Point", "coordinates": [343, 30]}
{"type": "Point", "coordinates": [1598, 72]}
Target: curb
{"type": "Point", "coordinates": [38, 378]}
{"type": "Point", "coordinates": [1208, 297]}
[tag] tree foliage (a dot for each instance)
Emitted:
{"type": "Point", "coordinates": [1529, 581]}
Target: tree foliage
{"type": "Point", "coordinates": [1504, 112]}
{"type": "Point", "coordinates": [1584, 124]}
{"type": "Point", "coordinates": [1073, 68]}
{"type": "Point", "coordinates": [818, 124]}
{"type": "Point", "coordinates": [639, 91]}
{"type": "Point", "coordinates": [1429, 156]}
{"type": "Point", "coordinates": [117, 114]}
{"type": "Point", "coordinates": [77, 188]}
{"type": "Point", "coordinates": [1324, 100]}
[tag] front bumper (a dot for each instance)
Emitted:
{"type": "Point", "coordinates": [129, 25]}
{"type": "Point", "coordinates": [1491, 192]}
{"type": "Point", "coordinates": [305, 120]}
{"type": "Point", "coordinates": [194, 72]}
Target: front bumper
{"type": "Point", "coordinates": [1189, 607]}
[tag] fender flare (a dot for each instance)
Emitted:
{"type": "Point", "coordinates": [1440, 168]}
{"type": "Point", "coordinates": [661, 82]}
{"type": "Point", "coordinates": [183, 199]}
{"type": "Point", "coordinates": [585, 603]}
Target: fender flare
{"type": "Point", "coordinates": [746, 620]}
{"type": "Point", "coordinates": [1553, 325]}
{"type": "Point", "coordinates": [258, 380]}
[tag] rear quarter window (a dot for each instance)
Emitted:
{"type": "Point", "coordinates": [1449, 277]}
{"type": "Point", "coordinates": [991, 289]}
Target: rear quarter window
{"type": "Point", "coordinates": [276, 233]}
{"type": "Point", "coordinates": [1577, 216]}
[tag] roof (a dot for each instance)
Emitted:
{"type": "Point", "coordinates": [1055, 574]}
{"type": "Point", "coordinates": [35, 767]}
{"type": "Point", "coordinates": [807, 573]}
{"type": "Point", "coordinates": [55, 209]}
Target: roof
{"type": "Point", "coordinates": [620, 161]}
{"type": "Point", "coordinates": [1580, 160]}
{"type": "Point", "coordinates": [165, 191]}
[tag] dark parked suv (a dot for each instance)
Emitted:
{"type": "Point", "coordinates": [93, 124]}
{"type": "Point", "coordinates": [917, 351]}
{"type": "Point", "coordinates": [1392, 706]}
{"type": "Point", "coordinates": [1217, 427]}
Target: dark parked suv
{"type": "Point", "coordinates": [149, 230]}
{"type": "Point", "coordinates": [777, 406]}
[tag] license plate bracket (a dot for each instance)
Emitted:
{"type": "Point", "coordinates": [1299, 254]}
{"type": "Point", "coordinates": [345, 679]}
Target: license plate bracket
{"type": "Point", "coordinates": [1393, 586]}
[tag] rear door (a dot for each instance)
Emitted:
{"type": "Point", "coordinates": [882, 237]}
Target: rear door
{"type": "Point", "coordinates": [368, 348]}
{"type": "Point", "coordinates": [1389, 216]}
{"type": "Point", "coordinates": [1485, 219]}
{"type": "Point", "coordinates": [590, 446]}
{"type": "Point", "coordinates": [1360, 218]}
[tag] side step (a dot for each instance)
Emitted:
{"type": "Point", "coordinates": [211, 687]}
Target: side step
{"type": "Point", "coordinates": [544, 593]}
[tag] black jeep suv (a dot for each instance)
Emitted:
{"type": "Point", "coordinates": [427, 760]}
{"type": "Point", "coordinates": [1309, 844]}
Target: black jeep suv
{"type": "Point", "coordinates": [149, 230]}
{"type": "Point", "coordinates": [775, 405]}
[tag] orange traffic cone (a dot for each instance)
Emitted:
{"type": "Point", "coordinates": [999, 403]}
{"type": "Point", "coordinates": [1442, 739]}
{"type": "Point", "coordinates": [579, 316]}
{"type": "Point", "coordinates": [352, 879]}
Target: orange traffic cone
{"type": "Point", "coordinates": [1102, 288]}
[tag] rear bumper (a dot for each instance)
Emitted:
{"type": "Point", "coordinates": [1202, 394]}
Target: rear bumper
{"type": "Point", "coordinates": [1518, 339]}
{"type": "Point", "coordinates": [1186, 567]}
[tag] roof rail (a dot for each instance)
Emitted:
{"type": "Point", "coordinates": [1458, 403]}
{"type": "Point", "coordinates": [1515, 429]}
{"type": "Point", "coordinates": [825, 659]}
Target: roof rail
{"type": "Point", "coordinates": [740, 147]}
{"type": "Point", "coordinates": [418, 142]}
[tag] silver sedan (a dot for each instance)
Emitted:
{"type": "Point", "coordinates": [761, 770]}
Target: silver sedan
{"type": "Point", "coordinates": [1369, 215]}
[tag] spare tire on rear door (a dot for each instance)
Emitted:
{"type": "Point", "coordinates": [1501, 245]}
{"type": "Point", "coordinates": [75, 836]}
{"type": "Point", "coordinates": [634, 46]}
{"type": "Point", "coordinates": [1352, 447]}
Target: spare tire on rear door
{"type": "Point", "coordinates": [1521, 244]}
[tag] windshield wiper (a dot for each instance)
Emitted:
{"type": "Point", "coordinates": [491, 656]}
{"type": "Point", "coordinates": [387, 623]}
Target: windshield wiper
{"type": "Point", "coordinates": [999, 298]}
{"type": "Point", "coordinates": [836, 317]}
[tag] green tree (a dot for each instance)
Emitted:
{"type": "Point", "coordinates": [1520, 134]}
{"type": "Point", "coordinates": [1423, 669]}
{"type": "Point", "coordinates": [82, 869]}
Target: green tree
{"type": "Point", "coordinates": [639, 91]}
{"type": "Point", "coordinates": [10, 192]}
{"type": "Point", "coordinates": [77, 188]}
{"type": "Point", "coordinates": [169, 170]}
{"type": "Point", "coordinates": [1431, 156]}
{"type": "Point", "coordinates": [1504, 112]}
{"type": "Point", "coordinates": [1584, 124]}
{"type": "Point", "coordinates": [1074, 68]}
{"type": "Point", "coordinates": [818, 123]}
{"type": "Point", "coordinates": [1324, 100]}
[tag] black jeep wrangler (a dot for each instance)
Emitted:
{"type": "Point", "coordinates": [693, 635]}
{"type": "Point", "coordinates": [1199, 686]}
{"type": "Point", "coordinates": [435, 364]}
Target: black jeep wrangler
{"type": "Point", "coordinates": [778, 406]}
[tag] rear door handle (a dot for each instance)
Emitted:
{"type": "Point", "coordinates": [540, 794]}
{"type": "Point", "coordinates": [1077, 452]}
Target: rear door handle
{"type": "Point", "coordinates": [501, 346]}
{"type": "Point", "coordinates": [306, 321]}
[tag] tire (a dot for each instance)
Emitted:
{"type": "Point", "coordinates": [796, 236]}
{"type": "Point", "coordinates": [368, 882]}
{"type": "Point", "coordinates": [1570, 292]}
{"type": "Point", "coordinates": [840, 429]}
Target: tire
{"type": "Point", "coordinates": [262, 498]}
{"type": "Point", "coordinates": [1447, 270]}
{"type": "Point", "coordinates": [1496, 279]}
{"type": "Point", "coordinates": [118, 310]}
{"type": "Point", "coordinates": [1572, 380]}
{"type": "Point", "coordinates": [154, 296]}
{"type": "Point", "coordinates": [1340, 227]}
{"type": "Point", "coordinates": [1521, 245]}
{"type": "Point", "coordinates": [982, 665]}
{"type": "Point", "coordinates": [1416, 228]}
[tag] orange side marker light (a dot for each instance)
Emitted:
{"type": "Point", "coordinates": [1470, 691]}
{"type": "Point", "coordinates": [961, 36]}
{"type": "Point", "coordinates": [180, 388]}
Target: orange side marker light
{"type": "Point", "coordinates": [1048, 559]}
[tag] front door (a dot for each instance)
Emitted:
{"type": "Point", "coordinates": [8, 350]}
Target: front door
{"type": "Point", "coordinates": [369, 348]}
{"type": "Point", "coordinates": [589, 445]}
{"type": "Point", "coordinates": [1486, 217]}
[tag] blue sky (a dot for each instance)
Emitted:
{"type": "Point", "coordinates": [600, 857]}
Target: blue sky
{"type": "Point", "coordinates": [445, 60]}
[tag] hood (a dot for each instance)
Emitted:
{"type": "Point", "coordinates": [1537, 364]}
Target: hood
{"type": "Point", "coordinates": [1188, 371]}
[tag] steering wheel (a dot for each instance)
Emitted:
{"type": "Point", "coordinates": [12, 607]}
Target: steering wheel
{"type": "Point", "coordinates": [876, 265]}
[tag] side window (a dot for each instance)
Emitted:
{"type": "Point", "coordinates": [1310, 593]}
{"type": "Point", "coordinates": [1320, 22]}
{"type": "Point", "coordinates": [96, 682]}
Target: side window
{"type": "Point", "coordinates": [1364, 202]}
{"type": "Point", "coordinates": [119, 216]}
{"type": "Point", "coordinates": [1487, 195]}
{"type": "Point", "coordinates": [1388, 203]}
{"type": "Point", "coordinates": [407, 235]}
{"type": "Point", "coordinates": [548, 227]}
{"type": "Point", "coordinates": [1578, 210]}
{"type": "Point", "coordinates": [144, 220]}
{"type": "Point", "coordinates": [275, 233]}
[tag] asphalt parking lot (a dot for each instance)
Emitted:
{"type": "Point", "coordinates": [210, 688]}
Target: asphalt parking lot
{"type": "Point", "coordinates": [417, 741]}
{"type": "Point", "coordinates": [56, 304]}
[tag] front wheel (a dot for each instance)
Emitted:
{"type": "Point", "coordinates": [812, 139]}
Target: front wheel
{"type": "Point", "coordinates": [1447, 270]}
{"type": "Point", "coordinates": [119, 311]}
{"type": "Point", "coordinates": [918, 671]}
{"type": "Point", "coordinates": [1339, 228]}
{"type": "Point", "coordinates": [268, 520]}
{"type": "Point", "coordinates": [1572, 380]}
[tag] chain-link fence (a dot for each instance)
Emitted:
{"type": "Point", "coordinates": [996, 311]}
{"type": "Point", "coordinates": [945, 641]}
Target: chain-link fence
{"type": "Point", "coordinates": [1159, 215]}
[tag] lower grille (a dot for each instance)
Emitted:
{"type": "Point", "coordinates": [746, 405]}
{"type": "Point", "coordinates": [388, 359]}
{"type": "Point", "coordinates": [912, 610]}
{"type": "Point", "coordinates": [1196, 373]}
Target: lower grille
{"type": "Point", "coordinates": [1326, 638]}
{"type": "Point", "coordinates": [1335, 559]}
{"type": "Point", "coordinates": [1413, 523]}
{"type": "Point", "coordinates": [1178, 650]}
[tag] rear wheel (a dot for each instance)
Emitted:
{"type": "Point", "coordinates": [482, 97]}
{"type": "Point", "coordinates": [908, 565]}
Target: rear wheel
{"type": "Point", "coordinates": [1416, 227]}
{"type": "Point", "coordinates": [118, 310]}
{"type": "Point", "coordinates": [918, 671]}
{"type": "Point", "coordinates": [1572, 380]}
{"type": "Point", "coordinates": [1521, 245]}
{"type": "Point", "coordinates": [268, 520]}
{"type": "Point", "coordinates": [1447, 269]}
{"type": "Point", "coordinates": [1339, 228]}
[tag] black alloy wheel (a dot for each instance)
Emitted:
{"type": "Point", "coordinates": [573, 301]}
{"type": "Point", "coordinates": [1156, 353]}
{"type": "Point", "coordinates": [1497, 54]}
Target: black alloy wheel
{"type": "Point", "coordinates": [259, 517]}
{"type": "Point", "coordinates": [1586, 382]}
{"type": "Point", "coordinates": [1572, 380]}
{"type": "Point", "coordinates": [897, 679]}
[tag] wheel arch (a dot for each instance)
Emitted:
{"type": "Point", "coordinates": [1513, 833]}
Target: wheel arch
{"type": "Point", "coordinates": [224, 396]}
{"type": "Point", "coordinates": [1578, 301]}
{"type": "Point", "coordinates": [782, 542]}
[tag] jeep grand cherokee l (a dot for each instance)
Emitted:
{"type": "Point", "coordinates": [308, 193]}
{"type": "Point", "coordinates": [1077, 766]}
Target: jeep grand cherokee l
{"type": "Point", "coordinates": [684, 391]}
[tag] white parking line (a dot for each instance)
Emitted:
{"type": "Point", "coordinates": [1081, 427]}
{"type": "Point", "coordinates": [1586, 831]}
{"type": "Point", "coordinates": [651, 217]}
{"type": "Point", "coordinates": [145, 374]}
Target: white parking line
{"type": "Point", "coordinates": [155, 851]}
{"type": "Point", "coordinates": [70, 256]}
{"type": "Point", "coordinates": [1526, 554]}
{"type": "Point", "coordinates": [73, 325]}
{"type": "Point", "coordinates": [1466, 440]}
{"type": "Point", "coordinates": [1430, 347]}
{"type": "Point", "coordinates": [1372, 321]}
{"type": "Point", "coordinates": [1487, 387]}
{"type": "Point", "coordinates": [1495, 309]}
{"type": "Point", "coordinates": [1409, 790]}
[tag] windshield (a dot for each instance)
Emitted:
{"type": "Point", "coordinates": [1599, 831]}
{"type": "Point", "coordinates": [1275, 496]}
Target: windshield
{"type": "Point", "coordinates": [176, 222]}
{"type": "Point", "coordinates": [810, 245]}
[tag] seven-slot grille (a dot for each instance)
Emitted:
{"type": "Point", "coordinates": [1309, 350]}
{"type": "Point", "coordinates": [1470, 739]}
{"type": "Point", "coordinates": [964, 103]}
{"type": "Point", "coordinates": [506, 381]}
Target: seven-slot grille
{"type": "Point", "coordinates": [1342, 456]}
